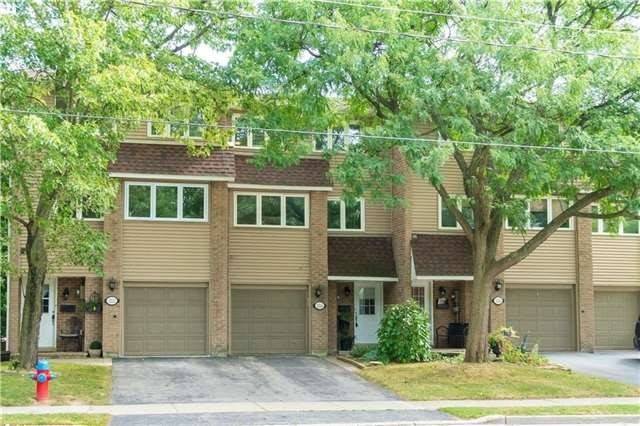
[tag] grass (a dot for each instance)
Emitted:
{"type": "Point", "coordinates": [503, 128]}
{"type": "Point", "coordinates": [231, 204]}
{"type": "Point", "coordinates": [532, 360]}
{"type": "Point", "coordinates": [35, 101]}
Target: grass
{"type": "Point", "coordinates": [76, 384]}
{"type": "Point", "coordinates": [475, 412]}
{"type": "Point", "coordinates": [446, 380]}
{"type": "Point", "coordinates": [56, 419]}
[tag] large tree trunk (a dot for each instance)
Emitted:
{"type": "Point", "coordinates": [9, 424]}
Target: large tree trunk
{"type": "Point", "coordinates": [32, 309]}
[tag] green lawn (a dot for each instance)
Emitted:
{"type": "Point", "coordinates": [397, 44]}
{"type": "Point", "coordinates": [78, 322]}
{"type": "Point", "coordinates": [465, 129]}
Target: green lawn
{"type": "Point", "coordinates": [56, 419]}
{"type": "Point", "coordinates": [442, 380]}
{"type": "Point", "coordinates": [475, 412]}
{"type": "Point", "coordinates": [76, 384]}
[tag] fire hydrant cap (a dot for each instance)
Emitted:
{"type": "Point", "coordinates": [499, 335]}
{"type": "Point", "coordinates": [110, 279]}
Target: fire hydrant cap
{"type": "Point", "coordinates": [42, 364]}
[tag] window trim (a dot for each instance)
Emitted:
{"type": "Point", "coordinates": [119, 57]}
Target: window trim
{"type": "Point", "coordinates": [180, 201]}
{"type": "Point", "coordinates": [166, 134]}
{"type": "Point", "coordinates": [458, 227]}
{"type": "Point", "coordinates": [549, 202]}
{"type": "Point", "coordinates": [232, 141]}
{"type": "Point", "coordinates": [79, 216]}
{"type": "Point", "coordinates": [330, 140]}
{"type": "Point", "coordinates": [620, 233]}
{"type": "Point", "coordinates": [283, 209]}
{"type": "Point", "coordinates": [343, 216]}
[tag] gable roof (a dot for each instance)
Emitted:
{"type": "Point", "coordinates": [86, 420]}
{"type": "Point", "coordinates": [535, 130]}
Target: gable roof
{"type": "Point", "coordinates": [309, 172]}
{"type": "Point", "coordinates": [172, 160]}
{"type": "Point", "coordinates": [361, 257]}
{"type": "Point", "coordinates": [442, 255]}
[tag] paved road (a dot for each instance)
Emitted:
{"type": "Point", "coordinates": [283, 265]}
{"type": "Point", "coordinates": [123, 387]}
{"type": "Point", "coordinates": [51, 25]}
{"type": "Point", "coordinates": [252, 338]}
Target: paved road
{"type": "Point", "coordinates": [238, 379]}
{"type": "Point", "coordinates": [622, 366]}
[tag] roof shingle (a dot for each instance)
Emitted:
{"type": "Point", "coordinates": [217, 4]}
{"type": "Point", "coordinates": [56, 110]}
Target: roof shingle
{"type": "Point", "coordinates": [361, 257]}
{"type": "Point", "coordinates": [442, 255]}
{"type": "Point", "coordinates": [308, 172]}
{"type": "Point", "coordinates": [172, 160]}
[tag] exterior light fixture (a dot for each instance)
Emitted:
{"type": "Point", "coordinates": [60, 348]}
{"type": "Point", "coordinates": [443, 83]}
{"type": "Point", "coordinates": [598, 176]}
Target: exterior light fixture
{"type": "Point", "coordinates": [113, 284]}
{"type": "Point", "coordinates": [318, 291]}
{"type": "Point", "coordinates": [498, 284]}
{"type": "Point", "coordinates": [65, 293]}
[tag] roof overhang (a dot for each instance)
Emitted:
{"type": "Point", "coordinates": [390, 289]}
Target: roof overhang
{"type": "Point", "coordinates": [279, 187]}
{"type": "Point", "coordinates": [444, 277]}
{"type": "Point", "coordinates": [155, 176]}
{"type": "Point", "coordinates": [349, 278]}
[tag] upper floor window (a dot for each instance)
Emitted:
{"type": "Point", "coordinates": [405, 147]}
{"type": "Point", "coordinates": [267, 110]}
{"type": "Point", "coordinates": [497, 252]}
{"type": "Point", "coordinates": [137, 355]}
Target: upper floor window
{"type": "Point", "coordinates": [246, 136]}
{"type": "Point", "coordinates": [84, 213]}
{"type": "Point", "coordinates": [193, 129]}
{"type": "Point", "coordinates": [542, 211]}
{"type": "Point", "coordinates": [338, 138]}
{"type": "Point", "coordinates": [448, 220]}
{"type": "Point", "coordinates": [166, 201]}
{"type": "Point", "coordinates": [276, 210]}
{"type": "Point", "coordinates": [614, 226]}
{"type": "Point", "coordinates": [345, 216]}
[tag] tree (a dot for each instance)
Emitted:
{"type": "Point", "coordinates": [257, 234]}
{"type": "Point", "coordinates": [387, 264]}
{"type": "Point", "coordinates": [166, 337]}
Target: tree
{"type": "Point", "coordinates": [554, 92]}
{"type": "Point", "coordinates": [70, 64]}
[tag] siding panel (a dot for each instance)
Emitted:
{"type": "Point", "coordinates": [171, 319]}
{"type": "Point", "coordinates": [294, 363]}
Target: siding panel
{"type": "Point", "coordinates": [551, 263]}
{"type": "Point", "coordinates": [165, 251]}
{"type": "Point", "coordinates": [616, 260]}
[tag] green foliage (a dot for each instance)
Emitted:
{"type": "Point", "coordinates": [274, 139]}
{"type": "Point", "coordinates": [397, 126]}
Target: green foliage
{"type": "Point", "coordinates": [500, 340]}
{"type": "Point", "coordinates": [502, 344]}
{"type": "Point", "coordinates": [96, 344]}
{"type": "Point", "coordinates": [516, 355]}
{"type": "Point", "coordinates": [404, 334]}
{"type": "Point", "coordinates": [358, 351]}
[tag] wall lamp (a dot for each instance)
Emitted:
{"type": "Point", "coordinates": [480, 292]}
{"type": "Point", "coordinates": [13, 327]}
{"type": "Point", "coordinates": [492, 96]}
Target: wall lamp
{"type": "Point", "coordinates": [112, 284]}
{"type": "Point", "coordinates": [318, 291]}
{"type": "Point", "coordinates": [65, 293]}
{"type": "Point", "coordinates": [498, 284]}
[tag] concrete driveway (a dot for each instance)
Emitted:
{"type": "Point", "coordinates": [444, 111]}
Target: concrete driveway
{"type": "Point", "coordinates": [238, 379]}
{"type": "Point", "coordinates": [622, 366]}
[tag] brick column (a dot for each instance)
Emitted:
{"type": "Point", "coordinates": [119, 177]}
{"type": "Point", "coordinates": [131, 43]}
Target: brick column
{"type": "Point", "coordinates": [319, 269]}
{"type": "Point", "coordinates": [401, 232]}
{"type": "Point", "coordinates": [498, 312]}
{"type": "Point", "coordinates": [92, 321]}
{"type": "Point", "coordinates": [219, 282]}
{"type": "Point", "coordinates": [332, 312]}
{"type": "Point", "coordinates": [14, 291]}
{"type": "Point", "coordinates": [112, 315]}
{"type": "Point", "coordinates": [584, 285]}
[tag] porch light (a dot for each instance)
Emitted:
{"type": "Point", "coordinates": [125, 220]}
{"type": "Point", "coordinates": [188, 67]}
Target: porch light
{"type": "Point", "coordinates": [65, 293]}
{"type": "Point", "coordinates": [498, 284]}
{"type": "Point", "coordinates": [113, 284]}
{"type": "Point", "coordinates": [318, 291]}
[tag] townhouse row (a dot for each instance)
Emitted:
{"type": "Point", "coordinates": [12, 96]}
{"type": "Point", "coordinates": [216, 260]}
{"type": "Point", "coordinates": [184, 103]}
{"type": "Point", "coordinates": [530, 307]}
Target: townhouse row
{"type": "Point", "coordinates": [213, 256]}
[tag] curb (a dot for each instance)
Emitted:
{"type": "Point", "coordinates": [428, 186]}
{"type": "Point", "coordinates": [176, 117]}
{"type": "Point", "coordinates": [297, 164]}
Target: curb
{"type": "Point", "coordinates": [351, 361]}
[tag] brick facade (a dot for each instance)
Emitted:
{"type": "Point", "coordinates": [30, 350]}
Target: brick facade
{"type": "Point", "coordinates": [219, 283]}
{"type": "Point", "coordinates": [68, 309]}
{"type": "Point", "coordinates": [318, 271]}
{"type": "Point", "coordinates": [401, 233]}
{"type": "Point", "coordinates": [92, 321]}
{"type": "Point", "coordinates": [584, 290]}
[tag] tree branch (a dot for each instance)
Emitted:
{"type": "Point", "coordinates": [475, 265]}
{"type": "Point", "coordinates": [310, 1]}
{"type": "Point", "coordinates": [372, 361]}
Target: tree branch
{"type": "Point", "coordinates": [453, 208]}
{"type": "Point", "coordinates": [624, 212]}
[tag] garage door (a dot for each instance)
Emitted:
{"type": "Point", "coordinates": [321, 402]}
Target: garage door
{"type": "Point", "coordinates": [165, 320]}
{"type": "Point", "coordinates": [616, 315]}
{"type": "Point", "coordinates": [268, 321]}
{"type": "Point", "coordinates": [546, 316]}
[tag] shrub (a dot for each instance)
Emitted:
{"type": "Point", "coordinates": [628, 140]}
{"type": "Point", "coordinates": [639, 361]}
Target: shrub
{"type": "Point", "coordinates": [404, 335]}
{"type": "Point", "coordinates": [521, 356]}
{"type": "Point", "coordinates": [359, 351]}
{"type": "Point", "coordinates": [500, 340]}
{"type": "Point", "coordinates": [95, 345]}
{"type": "Point", "coordinates": [501, 344]}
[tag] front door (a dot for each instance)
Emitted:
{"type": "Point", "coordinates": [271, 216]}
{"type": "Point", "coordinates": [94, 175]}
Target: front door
{"type": "Point", "coordinates": [368, 311]}
{"type": "Point", "coordinates": [47, 337]}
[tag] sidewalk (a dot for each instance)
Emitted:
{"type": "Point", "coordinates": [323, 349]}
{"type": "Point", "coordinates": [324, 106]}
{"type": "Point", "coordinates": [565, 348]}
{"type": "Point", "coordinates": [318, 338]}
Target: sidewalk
{"type": "Point", "coordinates": [266, 407]}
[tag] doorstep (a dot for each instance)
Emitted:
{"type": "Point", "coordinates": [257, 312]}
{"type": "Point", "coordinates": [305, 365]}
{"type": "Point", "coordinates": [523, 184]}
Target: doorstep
{"type": "Point", "coordinates": [60, 355]}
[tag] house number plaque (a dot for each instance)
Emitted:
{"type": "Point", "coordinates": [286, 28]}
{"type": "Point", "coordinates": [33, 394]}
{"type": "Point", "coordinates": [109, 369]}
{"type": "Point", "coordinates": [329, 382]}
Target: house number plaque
{"type": "Point", "coordinates": [319, 306]}
{"type": "Point", "coordinates": [111, 300]}
{"type": "Point", "coordinates": [498, 300]}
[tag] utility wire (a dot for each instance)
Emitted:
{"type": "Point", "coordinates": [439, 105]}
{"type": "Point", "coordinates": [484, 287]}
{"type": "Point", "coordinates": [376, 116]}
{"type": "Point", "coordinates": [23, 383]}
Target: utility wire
{"type": "Point", "coordinates": [380, 32]}
{"type": "Point", "coordinates": [440, 142]}
{"type": "Point", "coordinates": [477, 18]}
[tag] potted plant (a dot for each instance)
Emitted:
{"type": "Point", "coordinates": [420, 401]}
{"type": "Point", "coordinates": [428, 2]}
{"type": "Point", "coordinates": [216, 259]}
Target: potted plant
{"type": "Point", "coordinates": [95, 349]}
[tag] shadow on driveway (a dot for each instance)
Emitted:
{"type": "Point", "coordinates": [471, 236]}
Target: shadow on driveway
{"type": "Point", "coordinates": [238, 379]}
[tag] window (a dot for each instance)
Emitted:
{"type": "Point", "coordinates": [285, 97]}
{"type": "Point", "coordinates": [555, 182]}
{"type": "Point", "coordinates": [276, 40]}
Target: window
{"type": "Point", "coordinates": [246, 137]}
{"type": "Point", "coordinates": [193, 129]}
{"type": "Point", "coordinates": [448, 220]}
{"type": "Point", "coordinates": [559, 205]}
{"type": "Point", "coordinates": [541, 212]}
{"type": "Point", "coordinates": [345, 216]}
{"type": "Point", "coordinates": [418, 294]}
{"type": "Point", "coordinates": [86, 213]}
{"type": "Point", "coordinates": [166, 201]}
{"type": "Point", "coordinates": [622, 226]}
{"type": "Point", "coordinates": [337, 138]}
{"type": "Point", "coordinates": [367, 301]}
{"type": "Point", "coordinates": [276, 210]}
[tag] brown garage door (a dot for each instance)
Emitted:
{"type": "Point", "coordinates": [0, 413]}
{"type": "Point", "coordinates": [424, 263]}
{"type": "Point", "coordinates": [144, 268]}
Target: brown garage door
{"type": "Point", "coordinates": [268, 321]}
{"type": "Point", "coordinates": [616, 315]}
{"type": "Point", "coordinates": [165, 320]}
{"type": "Point", "coordinates": [546, 316]}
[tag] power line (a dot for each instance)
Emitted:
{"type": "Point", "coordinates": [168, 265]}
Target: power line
{"type": "Point", "coordinates": [477, 18]}
{"type": "Point", "coordinates": [380, 32]}
{"type": "Point", "coordinates": [441, 142]}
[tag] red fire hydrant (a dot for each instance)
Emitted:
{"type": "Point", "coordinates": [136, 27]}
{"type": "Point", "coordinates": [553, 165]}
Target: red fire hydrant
{"type": "Point", "coordinates": [42, 376]}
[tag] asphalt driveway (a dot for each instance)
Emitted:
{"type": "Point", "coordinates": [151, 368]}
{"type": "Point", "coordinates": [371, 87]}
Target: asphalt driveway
{"type": "Point", "coordinates": [622, 366]}
{"type": "Point", "coordinates": [238, 379]}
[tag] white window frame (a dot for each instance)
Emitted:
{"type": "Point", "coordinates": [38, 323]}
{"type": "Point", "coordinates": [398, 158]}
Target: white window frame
{"type": "Point", "coordinates": [602, 231]}
{"type": "Point", "coordinates": [448, 228]}
{"type": "Point", "coordinates": [330, 139]}
{"type": "Point", "coordinates": [79, 216]}
{"type": "Point", "coordinates": [283, 209]}
{"type": "Point", "coordinates": [549, 202]}
{"type": "Point", "coordinates": [232, 141]}
{"type": "Point", "coordinates": [180, 186]}
{"type": "Point", "coordinates": [167, 131]}
{"type": "Point", "coordinates": [343, 216]}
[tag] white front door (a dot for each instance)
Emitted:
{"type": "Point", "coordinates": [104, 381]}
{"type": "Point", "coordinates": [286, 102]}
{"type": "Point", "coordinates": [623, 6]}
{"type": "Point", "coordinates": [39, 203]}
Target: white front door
{"type": "Point", "coordinates": [47, 337]}
{"type": "Point", "coordinates": [368, 311]}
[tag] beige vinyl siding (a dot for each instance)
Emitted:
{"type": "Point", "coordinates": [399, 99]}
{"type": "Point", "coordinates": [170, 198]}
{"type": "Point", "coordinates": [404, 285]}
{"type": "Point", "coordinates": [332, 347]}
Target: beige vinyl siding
{"type": "Point", "coordinates": [269, 256]}
{"type": "Point", "coordinates": [551, 263]}
{"type": "Point", "coordinates": [424, 198]}
{"type": "Point", "coordinates": [616, 260]}
{"type": "Point", "coordinates": [140, 135]}
{"type": "Point", "coordinates": [155, 250]}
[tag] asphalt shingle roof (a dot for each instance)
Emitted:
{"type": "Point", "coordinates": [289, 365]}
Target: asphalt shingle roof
{"type": "Point", "coordinates": [308, 172]}
{"type": "Point", "coordinates": [442, 255]}
{"type": "Point", "coordinates": [361, 257]}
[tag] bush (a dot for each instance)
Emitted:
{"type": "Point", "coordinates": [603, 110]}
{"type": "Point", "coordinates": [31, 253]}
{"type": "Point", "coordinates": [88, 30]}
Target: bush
{"type": "Point", "coordinates": [359, 351]}
{"type": "Point", "coordinates": [501, 344]}
{"type": "Point", "coordinates": [521, 356]}
{"type": "Point", "coordinates": [404, 334]}
{"type": "Point", "coordinates": [95, 345]}
{"type": "Point", "coordinates": [500, 340]}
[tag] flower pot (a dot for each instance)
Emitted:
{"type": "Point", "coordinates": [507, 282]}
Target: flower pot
{"type": "Point", "coordinates": [95, 353]}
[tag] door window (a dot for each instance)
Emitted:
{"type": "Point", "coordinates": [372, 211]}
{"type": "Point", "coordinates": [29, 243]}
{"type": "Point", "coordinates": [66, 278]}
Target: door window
{"type": "Point", "coordinates": [367, 301]}
{"type": "Point", "coordinates": [45, 299]}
